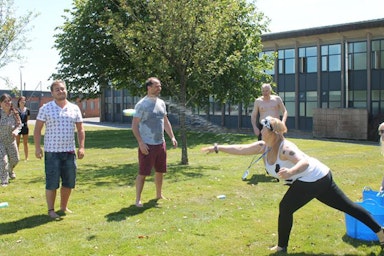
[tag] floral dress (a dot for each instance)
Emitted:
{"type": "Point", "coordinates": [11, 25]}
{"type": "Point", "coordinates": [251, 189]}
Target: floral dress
{"type": "Point", "coordinates": [9, 154]}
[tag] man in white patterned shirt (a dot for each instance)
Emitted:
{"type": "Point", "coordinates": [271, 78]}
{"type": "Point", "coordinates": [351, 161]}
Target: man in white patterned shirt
{"type": "Point", "coordinates": [60, 118]}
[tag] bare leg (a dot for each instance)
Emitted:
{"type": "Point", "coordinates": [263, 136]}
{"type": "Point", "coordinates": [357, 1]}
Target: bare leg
{"type": "Point", "coordinates": [65, 193]}
{"type": "Point", "coordinates": [140, 179]}
{"type": "Point", "coordinates": [25, 143]}
{"type": "Point", "coordinates": [18, 140]}
{"type": "Point", "coordinates": [159, 184]}
{"type": "Point", "coordinates": [50, 197]}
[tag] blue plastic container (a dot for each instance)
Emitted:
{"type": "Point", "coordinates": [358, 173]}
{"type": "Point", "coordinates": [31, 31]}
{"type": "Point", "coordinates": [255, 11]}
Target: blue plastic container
{"type": "Point", "coordinates": [368, 193]}
{"type": "Point", "coordinates": [358, 230]}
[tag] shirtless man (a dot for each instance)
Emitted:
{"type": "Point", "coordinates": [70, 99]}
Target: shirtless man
{"type": "Point", "coordinates": [267, 105]}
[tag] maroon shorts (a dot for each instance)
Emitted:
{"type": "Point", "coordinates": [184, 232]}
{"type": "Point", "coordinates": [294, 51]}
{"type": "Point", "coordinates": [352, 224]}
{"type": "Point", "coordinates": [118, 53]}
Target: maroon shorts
{"type": "Point", "coordinates": [156, 158]}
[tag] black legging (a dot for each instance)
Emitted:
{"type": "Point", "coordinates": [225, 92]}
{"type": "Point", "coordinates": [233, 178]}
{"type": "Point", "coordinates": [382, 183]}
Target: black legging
{"type": "Point", "coordinates": [326, 191]}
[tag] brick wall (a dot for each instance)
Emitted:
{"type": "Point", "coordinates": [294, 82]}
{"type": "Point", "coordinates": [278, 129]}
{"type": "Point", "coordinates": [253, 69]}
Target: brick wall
{"type": "Point", "coordinates": [340, 123]}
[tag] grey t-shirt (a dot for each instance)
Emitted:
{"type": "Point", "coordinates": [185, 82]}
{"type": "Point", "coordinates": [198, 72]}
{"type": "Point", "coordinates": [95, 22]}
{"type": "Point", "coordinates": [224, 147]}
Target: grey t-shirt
{"type": "Point", "coordinates": [151, 112]}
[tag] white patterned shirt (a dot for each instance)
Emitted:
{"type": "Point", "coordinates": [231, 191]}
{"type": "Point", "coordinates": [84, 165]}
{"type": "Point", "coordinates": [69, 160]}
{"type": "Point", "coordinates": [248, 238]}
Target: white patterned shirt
{"type": "Point", "coordinates": [59, 126]}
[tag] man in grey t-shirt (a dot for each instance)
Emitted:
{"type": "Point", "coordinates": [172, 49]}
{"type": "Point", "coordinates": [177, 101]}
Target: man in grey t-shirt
{"type": "Point", "coordinates": [148, 125]}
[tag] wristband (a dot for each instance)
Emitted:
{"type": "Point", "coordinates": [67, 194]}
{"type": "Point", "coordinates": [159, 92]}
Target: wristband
{"type": "Point", "coordinates": [215, 148]}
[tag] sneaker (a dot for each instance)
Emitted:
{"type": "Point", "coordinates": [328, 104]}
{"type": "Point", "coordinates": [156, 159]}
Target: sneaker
{"type": "Point", "coordinates": [4, 184]}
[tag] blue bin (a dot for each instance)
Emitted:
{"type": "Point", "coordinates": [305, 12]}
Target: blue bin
{"type": "Point", "coordinates": [368, 193]}
{"type": "Point", "coordinates": [358, 230]}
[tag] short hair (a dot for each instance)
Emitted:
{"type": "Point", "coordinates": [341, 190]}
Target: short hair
{"type": "Point", "coordinates": [150, 81]}
{"type": "Point", "coordinates": [56, 82]}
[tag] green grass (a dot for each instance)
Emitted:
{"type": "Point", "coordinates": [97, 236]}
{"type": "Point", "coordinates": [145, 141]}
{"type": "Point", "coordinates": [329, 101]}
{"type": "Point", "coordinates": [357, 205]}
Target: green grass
{"type": "Point", "coordinates": [193, 221]}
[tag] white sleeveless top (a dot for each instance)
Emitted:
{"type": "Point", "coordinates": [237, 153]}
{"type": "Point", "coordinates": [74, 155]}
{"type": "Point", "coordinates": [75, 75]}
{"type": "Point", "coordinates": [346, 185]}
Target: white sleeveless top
{"type": "Point", "coordinates": [315, 171]}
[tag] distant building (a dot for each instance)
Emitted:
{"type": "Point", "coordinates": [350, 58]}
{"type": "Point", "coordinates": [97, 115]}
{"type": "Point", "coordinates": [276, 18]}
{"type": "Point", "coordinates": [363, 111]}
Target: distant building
{"type": "Point", "coordinates": [35, 99]}
{"type": "Point", "coordinates": [331, 78]}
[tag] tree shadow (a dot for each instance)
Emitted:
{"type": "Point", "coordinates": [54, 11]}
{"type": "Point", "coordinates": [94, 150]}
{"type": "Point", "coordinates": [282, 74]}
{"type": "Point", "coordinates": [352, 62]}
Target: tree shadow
{"type": "Point", "coordinates": [132, 210]}
{"type": "Point", "coordinates": [25, 223]}
{"type": "Point", "coordinates": [92, 174]}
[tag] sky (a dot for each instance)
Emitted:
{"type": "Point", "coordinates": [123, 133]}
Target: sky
{"type": "Point", "coordinates": [41, 59]}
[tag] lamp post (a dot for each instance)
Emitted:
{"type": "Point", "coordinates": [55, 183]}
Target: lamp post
{"type": "Point", "coordinates": [21, 80]}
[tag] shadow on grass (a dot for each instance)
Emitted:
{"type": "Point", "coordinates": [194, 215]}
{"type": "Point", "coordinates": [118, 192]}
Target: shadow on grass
{"type": "Point", "coordinates": [131, 211]}
{"type": "Point", "coordinates": [354, 242]}
{"type": "Point", "coordinates": [105, 139]}
{"type": "Point", "coordinates": [258, 178]}
{"type": "Point", "coordinates": [28, 222]}
{"type": "Point", "coordinates": [92, 174]}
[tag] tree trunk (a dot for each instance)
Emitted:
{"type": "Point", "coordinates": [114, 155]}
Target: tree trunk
{"type": "Point", "coordinates": [183, 128]}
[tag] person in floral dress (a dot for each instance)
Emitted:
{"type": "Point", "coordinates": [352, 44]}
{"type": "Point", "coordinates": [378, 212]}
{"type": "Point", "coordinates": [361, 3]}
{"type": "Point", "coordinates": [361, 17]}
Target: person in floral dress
{"type": "Point", "coordinates": [10, 125]}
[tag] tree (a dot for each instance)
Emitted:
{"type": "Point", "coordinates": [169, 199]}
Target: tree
{"type": "Point", "coordinates": [13, 31]}
{"type": "Point", "coordinates": [197, 48]}
{"type": "Point", "coordinates": [89, 60]}
{"type": "Point", "coordinates": [193, 47]}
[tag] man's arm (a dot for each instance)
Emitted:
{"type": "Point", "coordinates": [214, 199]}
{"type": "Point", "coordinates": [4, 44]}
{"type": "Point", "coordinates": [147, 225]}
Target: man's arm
{"type": "Point", "coordinates": [80, 139]}
{"type": "Point", "coordinates": [135, 129]}
{"type": "Point", "coordinates": [254, 114]}
{"type": "Point", "coordinates": [283, 110]}
{"type": "Point", "coordinates": [37, 138]}
{"type": "Point", "coordinates": [169, 131]}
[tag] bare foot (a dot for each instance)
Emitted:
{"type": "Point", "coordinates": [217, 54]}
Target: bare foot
{"type": "Point", "coordinates": [53, 214]}
{"type": "Point", "coordinates": [139, 204]}
{"type": "Point", "coordinates": [66, 210]}
{"type": "Point", "coordinates": [161, 197]}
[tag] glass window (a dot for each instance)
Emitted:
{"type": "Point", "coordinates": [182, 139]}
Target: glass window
{"type": "Point", "coordinates": [290, 96]}
{"type": "Point", "coordinates": [324, 50]}
{"type": "Point", "coordinates": [290, 106]}
{"type": "Point", "coordinates": [357, 57]}
{"type": "Point", "coordinates": [289, 66]}
{"type": "Point", "coordinates": [286, 61]}
{"type": "Point", "coordinates": [289, 53]}
{"type": "Point", "coordinates": [334, 95]}
{"type": "Point", "coordinates": [360, 61]}
{"type": "Point", "coordinates": [324, 63]}
{"type": "Point", "coordinates": [311, 96]}
{"type": "Point", "coordinates": [310, 107]}
{"type": "Point", "coordinates": [331, 57]}
{"type": "Point", "coordinates": [335, 63]}
{"type": "Point", "coordinates": [312, 64]}
{"type": "Point", "coordinates": [334, 49]}
{"type": "Point", "coordinates": [375, 95]}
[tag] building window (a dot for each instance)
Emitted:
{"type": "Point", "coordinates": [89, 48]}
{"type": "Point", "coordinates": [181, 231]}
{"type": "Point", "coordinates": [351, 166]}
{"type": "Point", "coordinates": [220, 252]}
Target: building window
{"type": "Point", "coordinates": [289, 101]}
{"type": "Point", "coordinates": [331, 57]}
{"type": "Point", "coordinates": [308, 59]}
{"type": "Point", "coordinates": [357, 56]}
{"type": "Point", "coordinates": [269, 57]}
{"type": "Point", "coordinates": [286, 61]}
{"type": "Point", "coordinates": [377, 54]}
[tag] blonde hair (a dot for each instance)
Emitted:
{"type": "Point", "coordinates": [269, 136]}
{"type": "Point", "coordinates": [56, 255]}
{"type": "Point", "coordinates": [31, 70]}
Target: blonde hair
{"type": "Point", "coordinates": [381, 127]}
{"type": "Point", "coordinates": [277, 125]}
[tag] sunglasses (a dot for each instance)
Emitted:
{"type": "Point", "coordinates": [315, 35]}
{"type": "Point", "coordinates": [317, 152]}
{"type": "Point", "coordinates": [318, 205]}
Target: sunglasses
{"type": "Point", "coordinates": [266, 123]}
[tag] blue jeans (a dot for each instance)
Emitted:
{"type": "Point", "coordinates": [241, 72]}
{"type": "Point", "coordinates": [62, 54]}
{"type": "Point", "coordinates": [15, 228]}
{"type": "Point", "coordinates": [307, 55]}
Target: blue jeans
{"type": "Point", "coordinates": [60, 165]}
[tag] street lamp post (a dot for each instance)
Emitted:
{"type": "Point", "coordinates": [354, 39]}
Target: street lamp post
{"type": "Point", "coordinates": [21, 81]}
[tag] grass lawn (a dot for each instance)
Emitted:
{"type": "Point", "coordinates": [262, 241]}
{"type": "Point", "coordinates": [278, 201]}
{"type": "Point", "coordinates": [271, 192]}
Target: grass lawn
{"type": "Point", "coordinates": [193, 221]}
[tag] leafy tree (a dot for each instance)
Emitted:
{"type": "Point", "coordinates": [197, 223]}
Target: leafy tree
{"type": "Point", "coordinates": [197, 48]}
{"type": "Point", "coordinates": [13, 31]}
{"type": "Point", "coordinates": [89, 60]}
